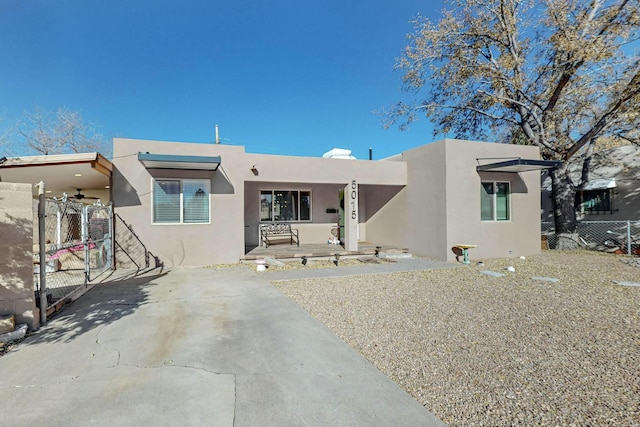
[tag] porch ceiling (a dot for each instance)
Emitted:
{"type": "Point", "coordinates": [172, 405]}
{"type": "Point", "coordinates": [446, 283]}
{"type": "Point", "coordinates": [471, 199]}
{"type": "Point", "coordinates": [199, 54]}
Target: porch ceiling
{"type": "Point", "coordinates": [60, 173]}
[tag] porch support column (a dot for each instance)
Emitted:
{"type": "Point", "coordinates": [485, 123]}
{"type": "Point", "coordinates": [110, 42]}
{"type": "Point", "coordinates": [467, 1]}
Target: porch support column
{"type": "Point", "coordinates": [351, 216]}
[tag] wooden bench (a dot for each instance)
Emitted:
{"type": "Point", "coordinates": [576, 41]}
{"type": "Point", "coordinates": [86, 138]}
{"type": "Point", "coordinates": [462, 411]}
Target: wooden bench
{"type": "Point", "coordinates": [278, 231]}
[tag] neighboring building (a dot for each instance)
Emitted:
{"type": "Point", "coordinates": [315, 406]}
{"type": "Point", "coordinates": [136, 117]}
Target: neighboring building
{"type": "Point", "coordinates": [613, 190]}
{"type": "Point", "coordinates": [199, 204]}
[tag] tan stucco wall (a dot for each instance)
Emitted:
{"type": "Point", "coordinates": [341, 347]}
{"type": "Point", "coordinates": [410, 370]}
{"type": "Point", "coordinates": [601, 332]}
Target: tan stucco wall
{"type": "Point", "coordinates": [16, 254]}
{"type": "Point", "coordinates": [234, 215]}
{"type": "Point", "coordinates": [318, 170]}
{"type": "Point", "coordinates": [440, 206]}
{"type": "Point", "coordinates": [222, 241]}
{"type": "Point", "coordinates": [518, 237]}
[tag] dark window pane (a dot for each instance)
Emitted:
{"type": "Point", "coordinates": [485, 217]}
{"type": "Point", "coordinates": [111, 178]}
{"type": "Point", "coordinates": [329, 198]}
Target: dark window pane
{"type": "Point", "coordinates": [305, 206]}
{"type": "Point", "coordinates": [266, 206]}
{"type": "Point", "coordinates": [502, 201]}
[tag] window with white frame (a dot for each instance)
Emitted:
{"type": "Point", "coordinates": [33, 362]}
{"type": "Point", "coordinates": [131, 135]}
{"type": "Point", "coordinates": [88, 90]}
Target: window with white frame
{"type": "Point", "coordinates": [181, 201]}
{"type": "Point", "coordinates": [285, 205]}
{"type": "Point", "coordinates": [495, 201]}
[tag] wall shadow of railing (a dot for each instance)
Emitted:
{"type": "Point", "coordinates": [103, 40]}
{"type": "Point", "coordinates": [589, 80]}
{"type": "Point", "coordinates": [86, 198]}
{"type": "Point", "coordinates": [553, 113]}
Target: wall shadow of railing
{"type": "Point", "coordinates": [130, 251]}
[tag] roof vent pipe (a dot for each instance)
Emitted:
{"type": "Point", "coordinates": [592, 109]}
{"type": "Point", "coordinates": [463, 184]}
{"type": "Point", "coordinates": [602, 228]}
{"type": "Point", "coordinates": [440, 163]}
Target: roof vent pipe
{"type": "Point", "coordinates": [217, 135]}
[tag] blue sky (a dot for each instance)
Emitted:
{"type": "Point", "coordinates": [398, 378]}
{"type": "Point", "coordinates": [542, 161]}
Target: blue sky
{"type": "Point", "coordinates": [282, 77]}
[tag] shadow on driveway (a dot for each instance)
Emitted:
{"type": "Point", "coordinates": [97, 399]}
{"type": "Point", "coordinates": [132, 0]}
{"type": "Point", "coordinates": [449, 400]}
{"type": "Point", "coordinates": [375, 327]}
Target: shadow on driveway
{"type": "Point", "coordinates": [118, 295]}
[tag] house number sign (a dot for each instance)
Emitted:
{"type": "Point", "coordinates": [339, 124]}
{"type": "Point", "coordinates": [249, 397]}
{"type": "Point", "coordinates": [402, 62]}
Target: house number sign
{"type": "Point", "coordinates": [354, 199]}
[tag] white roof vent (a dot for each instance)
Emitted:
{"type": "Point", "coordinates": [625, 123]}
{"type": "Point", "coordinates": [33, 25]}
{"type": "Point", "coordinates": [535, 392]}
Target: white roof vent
{"type": "Point", "coordinates": [338, 153]}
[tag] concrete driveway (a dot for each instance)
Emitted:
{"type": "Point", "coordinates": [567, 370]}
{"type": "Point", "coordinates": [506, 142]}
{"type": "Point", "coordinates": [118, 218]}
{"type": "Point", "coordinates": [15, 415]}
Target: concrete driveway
{"type": "Point", "coordinates": [195, 347]}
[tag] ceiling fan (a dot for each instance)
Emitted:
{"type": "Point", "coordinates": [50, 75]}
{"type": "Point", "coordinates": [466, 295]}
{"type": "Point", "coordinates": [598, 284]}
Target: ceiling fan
{"type": "Point", "coordinates": [80, 196]}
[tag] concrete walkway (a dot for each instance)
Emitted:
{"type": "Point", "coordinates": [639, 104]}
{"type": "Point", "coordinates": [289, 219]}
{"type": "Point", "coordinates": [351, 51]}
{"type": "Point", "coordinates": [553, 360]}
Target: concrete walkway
{"type": "Point", "coordinates": [195, 347]}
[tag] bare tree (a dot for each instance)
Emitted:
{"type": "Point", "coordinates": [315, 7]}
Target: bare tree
{"type": "Point", "coordinates": [5, 132]}
{"type": "Point", "coordinates": [559, 74]}
{"type": "Point", "coordinates": [56, 133]}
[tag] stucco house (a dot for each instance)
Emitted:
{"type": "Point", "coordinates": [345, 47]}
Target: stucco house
{"type": "Point", "coordinates": [200, 204]}
{"type": "Point", "coordinates": [203, 204]}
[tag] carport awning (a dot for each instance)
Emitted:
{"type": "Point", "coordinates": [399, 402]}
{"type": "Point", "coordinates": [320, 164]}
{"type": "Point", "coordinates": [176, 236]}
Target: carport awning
{"type": "Point", "coordinates": [173, 161]}
{"type": "Point", "coordinates": [519, 165]}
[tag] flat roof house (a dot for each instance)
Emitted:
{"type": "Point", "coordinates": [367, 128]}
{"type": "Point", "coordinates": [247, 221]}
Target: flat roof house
{"type": "Point", "coordinates": [200, 204]}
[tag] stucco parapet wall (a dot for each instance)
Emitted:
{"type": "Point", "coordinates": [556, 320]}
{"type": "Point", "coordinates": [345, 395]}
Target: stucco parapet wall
{"type": "Point", "coordinates": [274, 168]}
{"type": "Point", "coordinates": [320, 170]}
{"type": "Point", "coordinates": [478, 148]}
{"type": "Point", "coordinates": [124, 146]}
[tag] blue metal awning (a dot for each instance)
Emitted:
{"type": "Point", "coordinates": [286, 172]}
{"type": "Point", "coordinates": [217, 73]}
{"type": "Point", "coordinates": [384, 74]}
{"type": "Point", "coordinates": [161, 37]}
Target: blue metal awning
{"type": "Point", "coordinates": [519, 165]}
{"type": "Point", "coordinates": [173, 161]}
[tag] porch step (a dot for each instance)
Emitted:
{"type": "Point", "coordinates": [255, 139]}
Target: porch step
{"type": "Point", "coordinates": [322, 250]}
{"type": "Point", "coordinates": [395, 255]}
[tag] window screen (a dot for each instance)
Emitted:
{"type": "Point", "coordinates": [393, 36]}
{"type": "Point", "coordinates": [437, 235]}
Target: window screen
{"type": "Point", "coordinates": [178, 201]}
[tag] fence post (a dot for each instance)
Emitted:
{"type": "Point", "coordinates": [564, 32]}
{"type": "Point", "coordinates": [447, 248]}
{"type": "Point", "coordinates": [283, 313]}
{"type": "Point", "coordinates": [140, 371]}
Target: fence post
{"type": "Point", "coordinates": [111, 256]}
{"type": "Point", "coordinates": [628, 237]}
{"type": "Point", "coordinates": [84, 219]}
{"type": "Point", "coordinates": [58, 227]}
{"type": "Point", "coordinates": [42, 238]}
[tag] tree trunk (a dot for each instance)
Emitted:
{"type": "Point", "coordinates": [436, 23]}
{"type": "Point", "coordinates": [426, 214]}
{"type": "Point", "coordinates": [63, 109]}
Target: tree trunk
{"type": "Point", "coordinates": [564, 194]}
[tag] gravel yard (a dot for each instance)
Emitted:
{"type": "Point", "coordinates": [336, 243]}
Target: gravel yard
{"type": "Point", "coordinates": [488, 351]}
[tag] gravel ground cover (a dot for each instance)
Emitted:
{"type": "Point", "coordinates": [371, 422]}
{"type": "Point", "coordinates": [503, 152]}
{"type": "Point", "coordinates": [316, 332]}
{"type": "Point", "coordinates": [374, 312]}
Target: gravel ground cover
{"type": "Point", "coordinates": [478, 350]}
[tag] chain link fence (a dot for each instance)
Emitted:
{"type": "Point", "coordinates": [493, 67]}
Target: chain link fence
{"type": "Point", "coordinates": [621, 237]}
{"type": "Point", "coordinates": [77, 246]}
{"type": "Point", "coordinates": [98, 223]}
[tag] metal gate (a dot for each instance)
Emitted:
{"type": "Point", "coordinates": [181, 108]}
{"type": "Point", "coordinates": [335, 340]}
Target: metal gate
{"type": "Point", "coordinates": [77, 246]}
{"type": "Point", "coordinates": [98, 242]}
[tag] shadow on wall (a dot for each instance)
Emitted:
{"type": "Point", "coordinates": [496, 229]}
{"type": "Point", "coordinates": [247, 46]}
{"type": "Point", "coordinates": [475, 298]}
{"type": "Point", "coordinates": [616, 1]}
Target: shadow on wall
{"type": "Point", "coordinates": [517, 183]}
{"type": "Point", "coordinates": [220, 182]}
{"type": "Point", "coordinates": [627, 198]}
{"type": "Point", "coordinates": [106, 303]}
{"type": "Point", "coordinates": [16, 269]}
{"type": "Point", "coordinates": [377, 196]}
{"type": "Point", "coordinates": [125, 194]}
{"type": "Point", "coordinates": [122, 193]}
{"type": "Point", "coordinates": [130, 251]}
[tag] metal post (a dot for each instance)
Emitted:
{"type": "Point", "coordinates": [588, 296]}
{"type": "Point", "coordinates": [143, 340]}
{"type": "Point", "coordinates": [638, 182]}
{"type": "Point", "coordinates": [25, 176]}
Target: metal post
{"type": "Point", "coordinates": [628, 237]}
{"type": "Point", "coordinates": [42, 238]}
{"type": "Point", "coordinates": [84, 219]}
{"type": "Point", "coordinates": [58, 227]}
{"type": "Point", "coordinates": [112, 261]}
